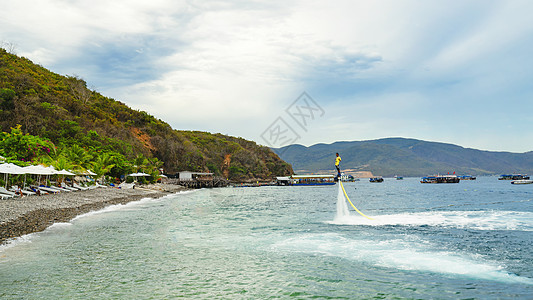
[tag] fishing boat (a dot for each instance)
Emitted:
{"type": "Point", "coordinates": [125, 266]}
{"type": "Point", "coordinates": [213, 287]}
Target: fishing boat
{"type": "Point", "coordinates": [398, 177]}
{"type": "Point", "coordinates": [347, 178]}
{"type": "Point", "coordinates": [467, 177]}
{"type": "Point", "coordinates": [440, 179]}
{"type": "Point", "coordinates": [522, 181]}
{"type": "Point", "coordinates": [376, 179]}
{"type": "Point", "coordinates": [311, 180]}
{"type": "Point", "coordinates": [513, 177]}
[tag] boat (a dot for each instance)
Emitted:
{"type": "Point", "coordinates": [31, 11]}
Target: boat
{"type": "Point", "coordinates": [522, 181]}
{"type": "Point", "coordinates": [467, 177]}
{"type": "Point", "coordinates": [347, 178]}
{"type": "Point", "coordinates": [398, 177]}
{"type": "Point", "coordinates": [440, 179]}
{"type": "Point", "coordinates": [283, 180]}
{"type": "Point", "coordinates": [306, 180]}
{"type": "Point", "coordinates": [513, 177]}
{"type": "Point", "coordinates": [376, 179]}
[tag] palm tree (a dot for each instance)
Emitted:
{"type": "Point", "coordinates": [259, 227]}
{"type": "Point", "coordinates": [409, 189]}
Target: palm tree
{"type": "Point", "coordinates": [102, 165]}
{"type": "Point", "coordinates": [78, 156]}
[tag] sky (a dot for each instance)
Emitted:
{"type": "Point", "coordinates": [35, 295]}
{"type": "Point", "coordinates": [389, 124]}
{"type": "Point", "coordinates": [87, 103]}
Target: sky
{"type": "Point", "coordinates": [304, 72]}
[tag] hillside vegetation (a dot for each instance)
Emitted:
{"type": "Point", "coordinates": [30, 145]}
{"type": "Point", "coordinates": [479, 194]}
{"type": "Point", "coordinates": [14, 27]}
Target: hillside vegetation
{"type": "Point", "coordinates": [407, 157]}
{"type": "Point", "coordinates": [81, 128]}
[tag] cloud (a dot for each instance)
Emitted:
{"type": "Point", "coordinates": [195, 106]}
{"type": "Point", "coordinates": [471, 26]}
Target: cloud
{"type": "Point", "coordinates": [378, 68]}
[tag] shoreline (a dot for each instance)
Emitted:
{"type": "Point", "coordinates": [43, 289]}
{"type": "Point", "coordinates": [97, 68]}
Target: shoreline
{"type": "Point", "coordinates": [21, 216]}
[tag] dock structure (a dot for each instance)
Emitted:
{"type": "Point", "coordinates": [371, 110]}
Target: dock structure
{"type": "Point", "coordinates": [197, 180]}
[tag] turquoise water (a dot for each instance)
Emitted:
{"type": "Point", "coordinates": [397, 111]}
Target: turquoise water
{"type": "Point", "coordinates": [449, 241]}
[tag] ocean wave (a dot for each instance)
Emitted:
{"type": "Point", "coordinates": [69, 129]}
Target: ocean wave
{"type": "Point", "coordinates": [401, 254]}
{"type": "Point", "coordinates": [479, 220]}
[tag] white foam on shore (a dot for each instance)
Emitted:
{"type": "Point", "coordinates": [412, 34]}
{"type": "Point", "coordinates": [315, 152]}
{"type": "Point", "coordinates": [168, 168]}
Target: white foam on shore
{"type": "Point", "coordinates": [10, 243]}
{"type": "Point", "coordinates": [479, 220]}
{"type": "Point", "coordinates": [401, 254]}
{"type": "Point", "coordinates": [126, 206]}
{"type": "Point", "coordinates": [27, 238]}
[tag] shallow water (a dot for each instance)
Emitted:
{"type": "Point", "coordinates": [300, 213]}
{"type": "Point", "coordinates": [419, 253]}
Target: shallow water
{"type": "Point", "coordinates": [466, 240]}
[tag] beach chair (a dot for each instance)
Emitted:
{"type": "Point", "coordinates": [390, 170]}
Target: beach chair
{"type": "Point", "coordinates": [24, 191]}
{"type": "Point", "coordinates": [5, 196]}
{"type": "Point", "coordinates": [47, 189]}
{"type": "Point", "coordinates": [58, 188]}
{"type": "Point", "coordinates": [79, 187]}
{"type": "Point", "coordinates": [6, 192]}
{"type": "Point", "coordinates": [99, 185]}
{"type": "Point", "coordinates": [36, 190]}
{"type": "Point", "coordinates": [72, 189]}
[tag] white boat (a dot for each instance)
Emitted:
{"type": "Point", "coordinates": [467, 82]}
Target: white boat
{"type": "Point", "coordinates": [307, 180]}
{"type": "Point", "coordinates": [522, 181]}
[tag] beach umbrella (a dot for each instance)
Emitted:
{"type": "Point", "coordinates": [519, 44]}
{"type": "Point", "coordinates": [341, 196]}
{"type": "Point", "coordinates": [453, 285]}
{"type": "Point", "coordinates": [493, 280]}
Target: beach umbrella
{"type": "Point", "coordinates": [140, 174]}
{"type": "Point", "coordinates": [52, 170]}
{"type": "Point", "coordinates": [88, 172]}
{"type": "Point", "coordinates": [10, 169]}
{"type": "Point", "coordinates": [65, 172]}
{"type": "Point", "coordinates": [38, 170]}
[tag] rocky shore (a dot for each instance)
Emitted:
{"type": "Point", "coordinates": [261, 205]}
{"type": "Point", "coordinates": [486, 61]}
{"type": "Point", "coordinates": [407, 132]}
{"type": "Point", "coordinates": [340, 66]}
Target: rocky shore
{"type": "Point", "coordinates": [20, 216]}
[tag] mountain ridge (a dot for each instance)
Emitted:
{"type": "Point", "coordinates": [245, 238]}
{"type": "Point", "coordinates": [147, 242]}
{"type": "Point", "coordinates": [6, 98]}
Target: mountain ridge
{"type": "Point", "coordinates": [406, 157]}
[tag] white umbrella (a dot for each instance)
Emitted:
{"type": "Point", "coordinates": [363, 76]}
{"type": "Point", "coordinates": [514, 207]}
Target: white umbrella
{"type": "Point", "coordinates": [10, 169]}
{"type": "Point", "coordinates": [52, 169]}
{"type": "Point", "coordinates": [65, 172]}
{"type": "Point", "coordinates": [88, 172]}
{"type": "Point", "coordinates": [38, 170]}
{"type": "Point", "coordinates": [138, 174]}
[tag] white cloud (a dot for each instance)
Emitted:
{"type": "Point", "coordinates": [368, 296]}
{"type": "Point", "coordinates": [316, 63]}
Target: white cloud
{"type": "Point", "coordinates": [234, 66]}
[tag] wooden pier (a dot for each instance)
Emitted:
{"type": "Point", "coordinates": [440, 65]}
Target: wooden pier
{"type": "Point", "coordinates": [199, 183]}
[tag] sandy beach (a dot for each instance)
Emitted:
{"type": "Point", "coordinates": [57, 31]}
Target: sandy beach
{"type": "Point", "coordinates": [20, 216]}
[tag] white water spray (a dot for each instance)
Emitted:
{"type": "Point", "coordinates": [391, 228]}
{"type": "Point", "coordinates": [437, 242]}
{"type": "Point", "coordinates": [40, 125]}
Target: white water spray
{"type": "Point", "coordinates": [342, 207]}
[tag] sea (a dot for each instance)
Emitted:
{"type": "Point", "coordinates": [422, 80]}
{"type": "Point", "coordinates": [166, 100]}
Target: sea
{"type": "Point", "coordinates": [470, 240]}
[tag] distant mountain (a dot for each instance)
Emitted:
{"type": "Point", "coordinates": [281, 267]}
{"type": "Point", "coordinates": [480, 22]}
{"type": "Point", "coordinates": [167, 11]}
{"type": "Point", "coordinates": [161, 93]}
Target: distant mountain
{"type": "Point", "coordinates": [406, 157]}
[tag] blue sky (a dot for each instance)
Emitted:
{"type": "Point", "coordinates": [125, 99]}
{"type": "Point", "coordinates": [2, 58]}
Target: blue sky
{"type": "Point", "coordinates": [451, 71]}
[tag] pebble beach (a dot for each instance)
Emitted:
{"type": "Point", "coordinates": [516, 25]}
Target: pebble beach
{"type": "Point", "coordinates": [20, 216]}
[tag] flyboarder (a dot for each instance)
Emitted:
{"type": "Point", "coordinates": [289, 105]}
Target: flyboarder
{"type": "Point", "coordinates": [337, 165]}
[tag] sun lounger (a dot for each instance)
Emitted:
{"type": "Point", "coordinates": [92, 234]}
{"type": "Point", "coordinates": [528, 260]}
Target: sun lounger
{"type": "Point", "coordinates": [72, 189]}
{"type": "Point", "coordinates": [5, 196]}
{"type": "Point", "coordinates": [28, 193]}
{"type": "Point", "coordinates": [6, 192]}
{"type": "Point", "coordinates": [56, 188]}
{"type": "Point", "coordinates": [99, 185]}
{"type": "Point", "coordinates": [49, 190]}
{"type": "Point", "coordinates": [60, 188]}
{"type": "Point", "coordinates": [36, 191]}
{"type": "Point", "coordinates": [25, 192]}
{"type": "Point", "coordinates": [79, 187]}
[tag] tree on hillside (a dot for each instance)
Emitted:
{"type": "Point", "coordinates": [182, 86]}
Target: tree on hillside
{"type": "Point", "coordinates": [79, 89]}
{"type": "Point", "coordinates": [102, 165]}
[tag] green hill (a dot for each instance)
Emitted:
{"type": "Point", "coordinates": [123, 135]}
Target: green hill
{"type": "Point", "coordinates": [407, 157]}
{"type": "Point", "coordinates": [61, 110]}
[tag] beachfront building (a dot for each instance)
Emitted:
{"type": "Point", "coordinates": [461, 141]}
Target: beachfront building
{"type": "Point", "coordinates": [194, 176]}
